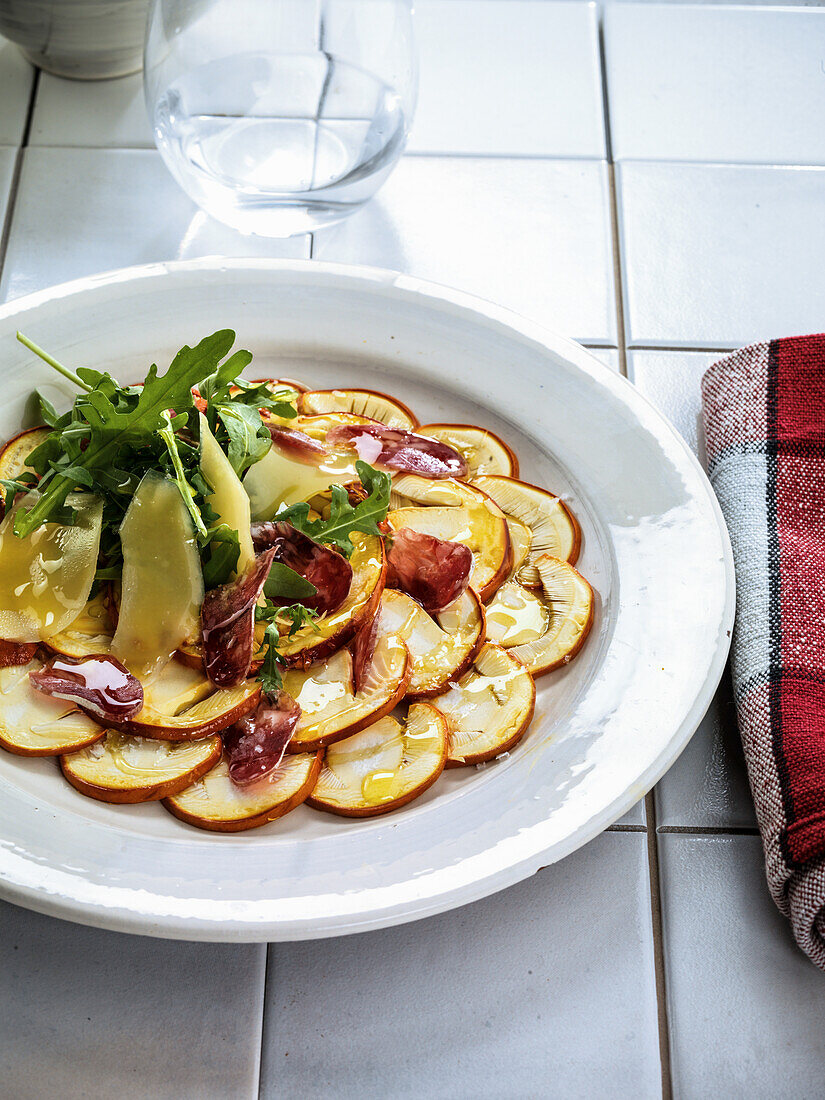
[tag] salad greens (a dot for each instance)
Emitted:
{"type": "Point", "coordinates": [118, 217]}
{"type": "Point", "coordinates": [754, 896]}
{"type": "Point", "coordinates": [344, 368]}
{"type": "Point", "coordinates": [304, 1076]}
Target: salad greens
{"type": "Point", "coordinates": [346, 517]}
{"type": "Point", "coordinates": [113, 435]}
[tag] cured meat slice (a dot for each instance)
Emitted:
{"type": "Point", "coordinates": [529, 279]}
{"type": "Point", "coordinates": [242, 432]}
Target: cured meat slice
{"type": "Point", "coordinates": [363, 652]}
{"type": "Point", "coordinates": [329, 571]}
{"type": "Point", "coordinates": [256, 745]}
{"type": "Point", "coordinates": [228, 623]}
{"type": "Point", "coordinates": [16, 653]}
{"type": "Point", "coordinates": [398, 449]}
{"type": "Point", "coordinates": [101, 684]}
{"type": "Point", "coordinates": [298, 445]}
{"type": "Point", "coordinates": [433, 571]}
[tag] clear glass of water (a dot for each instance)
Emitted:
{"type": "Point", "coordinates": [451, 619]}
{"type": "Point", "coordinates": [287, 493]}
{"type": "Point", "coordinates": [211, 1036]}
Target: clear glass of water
{"type": "Point", "coordinates": [280, 116]}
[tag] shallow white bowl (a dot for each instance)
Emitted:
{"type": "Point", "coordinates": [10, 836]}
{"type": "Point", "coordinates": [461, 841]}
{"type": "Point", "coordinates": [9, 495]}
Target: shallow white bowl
{"type": "Point", "coordinates": [606, 728]}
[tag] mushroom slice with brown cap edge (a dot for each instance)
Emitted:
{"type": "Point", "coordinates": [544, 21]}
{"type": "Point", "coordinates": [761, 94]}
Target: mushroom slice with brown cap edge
{"type": "Point", "coordinates": [180, 704]}
{"type": "Point", "coordinates": [91, 632]}
{"type": "Point", "coordinates": [14, 454]}
{"type": "Point", "coordinates": [214, 802]}
{"type": "Point", "coordinates": [331, 709]}
{"type": "Point", "coordinates": [34, 724]}
{"type": "Point", "coordinates": [483, 451]}
{"type": "Point", "coordinates": [489, 708]}
{"type": "Point", "coordinates": [441, 647]}
{"type": "Point", "coordinates": [126, 769]}
{"type": "Point", "coordinates": [384, 766]}
{"type": "Point", "coordinates": [553, 526]}
{"type": "Point", "coordinates": [330, 632]}
{"type": "Point", "coordinates": [370, 403]}
{"type": "Point", "coordinates": [516, 615]}
{"type": "Point", "coordinates": [456, 512]}
{"type": "Point", "coordinates": [569, 600]}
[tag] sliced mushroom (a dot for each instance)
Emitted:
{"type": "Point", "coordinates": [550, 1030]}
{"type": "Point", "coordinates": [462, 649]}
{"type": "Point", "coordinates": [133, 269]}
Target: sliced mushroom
{"type": "Point", "coordinates": [126, 769]}
{"type": "Point", "coordinates": [553, 526]}
{"type": "Point", "coordinates": [521, 539]}
{"type": "Point", "coordinates": [569, 602]}
{"type": "Point", "coordinates": [489, 708]}
{"type": "Point", "coordinates": [516, 615]}
{"type": "Point", "coordinates": [483, 451]}
{"type": "Point", "coordinates": [369, 403]}
{"type": "Point", "coordinates": [384, 766]}
{"type": "Point", "coordinates": [91, 632]}
{"type": "Point", "coordinates": [180, 704]}
{"type": "Point", "coordinates": [214, 802]}
{"type": "Point", "coordinates": [456, 512]}
{"type": "Point", "coordinates": [330, 632]}
{"type": "Point", "coordinates": [33, 724]}
{"type": "Point", "coordinates": [331, 709]}
{"type": "Point", "coordinates": [440, 647]}
{"type": "Point", "coordinates": [14, 454]}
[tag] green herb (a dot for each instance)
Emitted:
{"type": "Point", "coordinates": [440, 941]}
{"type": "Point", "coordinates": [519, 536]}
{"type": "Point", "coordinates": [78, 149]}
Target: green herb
{"type": "Point", "coordinates": [13, 486]}
{"type": "Point", "coordinates": [219, 555]}
{"type": "Point", "coordinates": [114, 429]}
{"type": "Point", "coordinates": [284, 583]}
{"type": "Point", "coordinates": [233, 411]}
{"type": "Point", "coordinates": [297, 616]}
{"type": "Point", "coordinates": [344, 516]}
{"type": "Point", "coordinates": [167, 434]}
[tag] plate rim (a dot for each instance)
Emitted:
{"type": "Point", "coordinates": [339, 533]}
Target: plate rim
{"type": "Point", "coordinates": [97, 914]}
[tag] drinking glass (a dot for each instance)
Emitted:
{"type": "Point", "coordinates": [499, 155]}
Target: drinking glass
{"type": "Point", "coordinates": [280, 116]}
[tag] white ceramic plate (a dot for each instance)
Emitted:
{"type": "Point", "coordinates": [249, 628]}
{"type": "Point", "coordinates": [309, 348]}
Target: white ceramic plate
{"type": "Point", "coordinates": [606, 728]}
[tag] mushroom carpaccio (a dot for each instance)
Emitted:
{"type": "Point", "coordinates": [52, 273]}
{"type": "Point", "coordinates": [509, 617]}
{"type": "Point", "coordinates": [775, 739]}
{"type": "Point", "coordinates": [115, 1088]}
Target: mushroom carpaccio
{"type": "Point", "coordinates": [301, 596]}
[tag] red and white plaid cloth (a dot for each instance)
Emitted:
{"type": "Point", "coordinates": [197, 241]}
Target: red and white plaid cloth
{"type": "Point", "coordinates": [764, 413]}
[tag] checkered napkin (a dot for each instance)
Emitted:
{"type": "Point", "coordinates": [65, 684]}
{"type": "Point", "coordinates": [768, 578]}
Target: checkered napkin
{"type": "Point", "coordinates": [764, 413]}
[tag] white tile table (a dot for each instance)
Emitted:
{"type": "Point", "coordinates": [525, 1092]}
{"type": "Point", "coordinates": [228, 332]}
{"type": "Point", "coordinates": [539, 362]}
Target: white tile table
{"type": "Point", "coordinates": [662, 217]}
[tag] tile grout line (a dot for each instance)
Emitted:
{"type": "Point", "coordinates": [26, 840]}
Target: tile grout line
{"type": "Point", "coordinates": [650, 806]}
{"type": "Point", "coordinates": [658, 945]}
{"type": "Point", "coordinates": [259, 1091]}
{"type": "Point", "coordinates": [14, 186]}
{"type": "Point", "coordinates": [614, 206]}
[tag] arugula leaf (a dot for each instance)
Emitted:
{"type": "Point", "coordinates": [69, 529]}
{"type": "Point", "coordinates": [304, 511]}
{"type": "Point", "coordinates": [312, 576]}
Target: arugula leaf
{"type": "Point", "coordinates": [48, 413]}
{"type": "Point", "coordinates": [12, 487]}
{"type": "Point", "coordinates": [249, 440]}
{"type": "Point", "coordinates": [345, 517]}
{"type": "Point", "coordinates": [284, 583]}
{"type": "Point", "coordinates": [297, 615]}
{"type": "Point", "coordinates": [224, 549]}
{"type": "Point", "coordinates": [269, 673]}
{"type": "Point", "coordinates": [167, 434]}
{"type": "Point", "coordinates": [117, 419]}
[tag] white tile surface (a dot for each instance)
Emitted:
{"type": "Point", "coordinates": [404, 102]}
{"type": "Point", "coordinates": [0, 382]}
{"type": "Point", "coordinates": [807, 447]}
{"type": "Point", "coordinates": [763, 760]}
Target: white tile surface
{"type": "Point", "coordinates": [718, 256]}
{"type": "Point", "coordinates": [716, 83]}
{"type": "Point", "coordinates": [90, 112]}
{"type": "Point", "coordinates": [87, 210]}
{"type": "Point", "coordinates": [95, 1015]}
{"type": "Point", "coordinates": [16, 76]}
{"type": "Point", "coordinates": [608, 356]}
{"type": "Point", "coordinates": [745, 1005]}
{"type": "Point", "coordinates": [708, 784]}
{"type": "Point", "coordinates": [529, 234]}
{"type": "Point", "coordinates": [508, 77]}
{"type": "Point", "coordinates": [546, 989]}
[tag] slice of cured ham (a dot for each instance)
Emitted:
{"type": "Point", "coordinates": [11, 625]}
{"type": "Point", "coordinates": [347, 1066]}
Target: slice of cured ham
{"type": "Point", "coordinates": [297, 445]}
{"type": "Point", "coordinates": [431, 570]}
{"type": "Point", "coordinates": [398, 449]}
{"type": "Point", "coordinates": [329, 571]}
{"type": "Point", "coordinates": [228, 623]}
{"type": "Point", "coordinates": [100, 684]}
{"type": "Point", "coordinates": [256, 744]}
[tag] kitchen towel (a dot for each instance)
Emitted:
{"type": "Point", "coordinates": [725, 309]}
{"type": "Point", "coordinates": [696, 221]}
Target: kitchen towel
{"type": "Point", "coordinates": [764, 416]}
